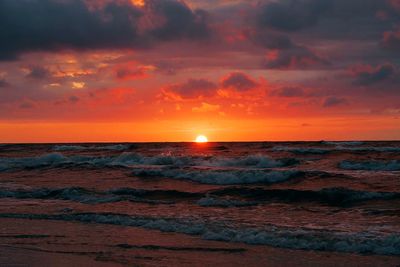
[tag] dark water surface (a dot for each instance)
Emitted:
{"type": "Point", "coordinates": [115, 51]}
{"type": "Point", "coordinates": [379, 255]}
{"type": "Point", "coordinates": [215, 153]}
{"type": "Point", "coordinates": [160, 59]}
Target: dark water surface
{"type": "Point", "coordinates": [163, 204]}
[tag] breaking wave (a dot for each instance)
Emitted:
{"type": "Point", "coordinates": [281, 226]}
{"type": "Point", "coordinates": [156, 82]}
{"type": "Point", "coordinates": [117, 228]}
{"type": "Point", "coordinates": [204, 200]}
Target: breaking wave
{"type": "Point", "coordinates": [133, 159]}
{"type": "Point", "coordinates": [272, 235]}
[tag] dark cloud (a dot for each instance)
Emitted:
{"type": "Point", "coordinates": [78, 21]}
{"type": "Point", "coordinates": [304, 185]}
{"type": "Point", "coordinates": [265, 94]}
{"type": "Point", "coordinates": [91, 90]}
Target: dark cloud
{"type": "Point", "coordinates": [283, 52]}
{"type": "Point", "coordinates": [38, 73]}
{"type": "Point", "coordinates": [297, 57]}
{"type": "Point", "coordinates": [180, 21]}
{"type": "Point", "coordinates": [296, 15]}
{"type": "Point", "coordinates": [391, 41]}
{"type": "Point", "coordinates": [373, 76]}
{"type": "Point", "coordinates": [73, 99]}
{"type": "Point", "coordinates": [3, 83]}
{"type": "Point", "coordinates": [288, 92]}
{"type": "Point", "coordinates": [239, 81]}
{"type": "Point", "coordinates": [293, 15]}
{"type": "Point", "coordinates": [31, 25]}
{"type": "Point", "coordinates": [27, 105]}
{"type": "Point", "coordinates": [334, 101]}
{"type": "Point", "coordinates": [269, 39]}
{"type": "Point", "coordinates": [127, 73]}
{"type": "Point", "coordinates": [52, 25]}
{"type": "Point", "coordinates": [194, 88]}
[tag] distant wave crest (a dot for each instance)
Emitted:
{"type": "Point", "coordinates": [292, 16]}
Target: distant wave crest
{"type": "Point", "coordinates": [118, 147]}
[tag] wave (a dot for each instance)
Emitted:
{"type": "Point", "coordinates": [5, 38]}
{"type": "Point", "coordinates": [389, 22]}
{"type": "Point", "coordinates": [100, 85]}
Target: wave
{"type": "Point", "coordinates": [118, 147]}
{"type": "Point", "coordinates": [68, 148]}
{"type": "Point", "coordinates": [85, 196]}
{"type": "Point", "coordinates": [32, 162]}
{"type": "Point", "coordinates": [258, 161]}
{"type": "Point", "coordinates": [225, 203]}
{"type": "Point", "coordinates": [392, 165]}
{"type": "Point", "coordinates": [340, 148]}
{"type": "Point", "coordinates": [226, 197]}
{"type": "Point", "coordinates": [303, 150]}
{"type": "Point", "coordinates": [127, 159]}
{"type": "Point", "coordinates": [336, 196]}
{"type": "Point", "coordinates": [271, 235]}
{"type": "Point", "coordinates": [343, 143]}
{"type": "Point", "coordinates": [72, 194]}
{"type": "Point", "coordinates": [221, 177]}
{"type": "Point", "coordinates": [369, 149]}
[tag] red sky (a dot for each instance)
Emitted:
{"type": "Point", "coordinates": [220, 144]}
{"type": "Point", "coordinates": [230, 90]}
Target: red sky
{"type": "Point", "coordinates": [152, 70]}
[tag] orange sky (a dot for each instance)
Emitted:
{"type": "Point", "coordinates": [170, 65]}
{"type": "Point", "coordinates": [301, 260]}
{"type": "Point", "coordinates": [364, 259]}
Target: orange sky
{"type": "Point", "coordinates": [151, 70]}
{"type": "Point", "coordinates": [215, 130]}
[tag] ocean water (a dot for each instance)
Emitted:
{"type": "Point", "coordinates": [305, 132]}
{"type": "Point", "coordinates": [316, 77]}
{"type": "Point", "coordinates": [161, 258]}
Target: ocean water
{"type": "Point", "coordinates": [181, 204]}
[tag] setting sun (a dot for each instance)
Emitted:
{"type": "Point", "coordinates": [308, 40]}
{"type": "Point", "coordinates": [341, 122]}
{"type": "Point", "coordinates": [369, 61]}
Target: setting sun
{"type": "Point", "coordinates": [201, 139]}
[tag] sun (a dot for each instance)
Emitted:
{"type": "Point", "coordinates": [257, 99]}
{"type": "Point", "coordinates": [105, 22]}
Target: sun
{"type": "Point", "coordinates": [201, 139]}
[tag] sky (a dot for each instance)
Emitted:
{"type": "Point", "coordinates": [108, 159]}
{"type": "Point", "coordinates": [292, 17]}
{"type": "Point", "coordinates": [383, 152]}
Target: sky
{"type": "Point", "coordinates": [168, 70]}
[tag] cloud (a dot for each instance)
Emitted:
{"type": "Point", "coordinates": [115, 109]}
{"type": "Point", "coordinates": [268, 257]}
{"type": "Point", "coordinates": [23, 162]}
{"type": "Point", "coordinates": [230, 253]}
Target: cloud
{"type": "Point", "coordinates": [180, 21]}
{"type": "Point", "coordinates": [73, 99]}
{"type": "Point", "coordinates": [129, 72]}
{"type": "Point", "coordinates": [239, 81]}
{"type": "Point", "coordinates": [38, 73]}
{"type": "Point", "coordinates": [288, 92]}
{"type": "Point", "coordinates": [292, 15]}
{"type": "Point", "coordinates": [3, 83]}
{"type": "Point", "coordinates": [53, 25]}
{"type": "Point", "coordinates": [391, 41]}
{"type": "Point", "coordinates": [27, 105]}
{"type": "Point", "coordinates": [194, 88]}
{"type": "Point", "coordinates": [270, 39]}
{"type": "Point", "coordinates": [297, 57]}
{"type": "Point", "coordinates": [282, 51]}
{"type": "Point", "coordinates": [298, 15]}
{"type": "Point", "coordinates": [334, 102]}
{"type": "Point", "coordinates": [78, 85]}
{"type": "Point", "coordinates": [205, 107]}
{"type": "Point", "coordinates": [366, 75]}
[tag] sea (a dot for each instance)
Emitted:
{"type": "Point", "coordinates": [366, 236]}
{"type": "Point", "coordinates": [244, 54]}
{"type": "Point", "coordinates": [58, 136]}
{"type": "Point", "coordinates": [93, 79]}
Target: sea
{"type": "Point", "coordinates": [187, 204]}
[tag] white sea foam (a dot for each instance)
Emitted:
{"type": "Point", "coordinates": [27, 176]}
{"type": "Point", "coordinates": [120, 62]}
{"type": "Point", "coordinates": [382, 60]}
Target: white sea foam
{"type": "Point", "coordinates": [277, 236]}
{"type": "Point", "coordinates": [392, 165]}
